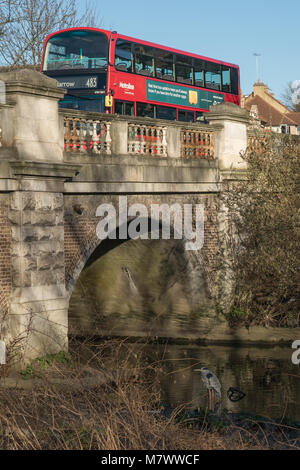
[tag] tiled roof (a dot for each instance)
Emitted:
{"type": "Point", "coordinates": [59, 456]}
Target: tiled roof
{"type": "Point", "coordinates": [270, 115]}
{"type": "Point", "coordinates": [295, 117]}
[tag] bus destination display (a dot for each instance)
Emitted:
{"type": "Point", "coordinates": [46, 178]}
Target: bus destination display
{"type": "Point", "coordinates": [73, 81]}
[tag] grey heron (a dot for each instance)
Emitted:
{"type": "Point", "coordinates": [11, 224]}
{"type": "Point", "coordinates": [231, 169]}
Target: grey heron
{"type": "Point", "coordinates": [212, 384]}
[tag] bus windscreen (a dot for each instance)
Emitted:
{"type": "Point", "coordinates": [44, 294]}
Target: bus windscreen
{"type": "Point", "coordinates": [73, 50]}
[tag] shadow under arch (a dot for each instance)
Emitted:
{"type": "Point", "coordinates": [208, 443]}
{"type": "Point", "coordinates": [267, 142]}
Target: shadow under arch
{"type": "Point", "coordinates": [158, 279]}
{"type": "Point", "coordinates": [101, 246]}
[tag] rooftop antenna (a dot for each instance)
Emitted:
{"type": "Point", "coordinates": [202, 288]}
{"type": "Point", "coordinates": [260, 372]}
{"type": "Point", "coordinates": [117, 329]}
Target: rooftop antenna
{"type": "Point", "coordinates": [257, 55]}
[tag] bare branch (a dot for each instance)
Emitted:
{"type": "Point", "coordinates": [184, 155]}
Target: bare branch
{"type": "Point", "coordinates": [25, 30]}
{"type": "Point", "coordinates": [287, 98]}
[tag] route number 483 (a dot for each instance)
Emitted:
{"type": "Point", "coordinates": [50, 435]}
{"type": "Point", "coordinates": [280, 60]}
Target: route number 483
{"type": "Point", "coordinates": [92, 82]}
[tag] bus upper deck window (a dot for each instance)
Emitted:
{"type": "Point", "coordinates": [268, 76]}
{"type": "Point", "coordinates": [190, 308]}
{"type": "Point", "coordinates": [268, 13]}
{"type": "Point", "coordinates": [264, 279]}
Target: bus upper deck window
{"type": "Point", "coordinates": [144, 60]}
{"type": "Point", "coordinates": [123, 56]}
{"type": "Point", "coordinates": [213, 76]}
{"type": "Point", "coordinates": [184, 71]}
{"type": "Point", "coordinates": [226, 79]}
{"type": "Point", "coordinates": [234, 80]}
{"type": "Point", "coordinates": [198, 72]}
{"type": "Point", "coordinates": [76, 49]}
{"type": "Point", "coordinates": [164, 64]}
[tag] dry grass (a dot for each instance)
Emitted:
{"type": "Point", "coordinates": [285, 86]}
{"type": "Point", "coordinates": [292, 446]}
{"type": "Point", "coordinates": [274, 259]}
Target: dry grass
{"type": "Point", "coordinates": [62, 412]}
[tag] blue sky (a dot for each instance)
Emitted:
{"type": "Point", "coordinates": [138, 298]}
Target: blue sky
{"type": "Point", "coordinates": [230, 30]}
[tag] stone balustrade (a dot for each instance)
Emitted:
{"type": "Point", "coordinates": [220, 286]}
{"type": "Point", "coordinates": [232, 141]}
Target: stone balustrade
{"type": "Point", "coordinates": [256, 141]}
{"type": "Point", "coordinates": [197, 143]}
{"type": "Point", "coordinates": [83, 135]}
{"type": "Point", "coordinates": [95, 133]}
{"type": "Point", "coordinates": [147, 140]}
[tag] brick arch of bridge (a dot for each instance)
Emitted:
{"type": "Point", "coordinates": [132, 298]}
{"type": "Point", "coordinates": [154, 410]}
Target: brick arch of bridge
{"type": "Point", "coordinates": [81, 239]}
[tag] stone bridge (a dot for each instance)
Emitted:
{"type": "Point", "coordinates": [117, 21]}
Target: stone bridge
{"type": "Point", "coordinates": [58, 166]}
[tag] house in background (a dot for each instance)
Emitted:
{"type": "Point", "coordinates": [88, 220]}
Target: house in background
{"type": "Point", "coordinates": [269, 113]}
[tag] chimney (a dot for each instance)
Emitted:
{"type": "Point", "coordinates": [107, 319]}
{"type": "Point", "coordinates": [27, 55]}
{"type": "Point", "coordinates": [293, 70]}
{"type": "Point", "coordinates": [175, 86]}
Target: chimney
{"type": "Point", "coordinates": [259, 89]}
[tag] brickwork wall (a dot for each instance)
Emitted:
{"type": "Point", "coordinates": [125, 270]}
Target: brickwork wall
{"type": "Point", "coordinates": [80, 230]}
{"type": "Point", "coordinates": [5, 254]}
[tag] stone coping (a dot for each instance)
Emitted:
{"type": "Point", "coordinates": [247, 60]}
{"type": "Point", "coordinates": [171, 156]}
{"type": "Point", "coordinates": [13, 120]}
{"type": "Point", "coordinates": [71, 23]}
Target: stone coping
{"type": "Point", "coordinates": [138, 160]}
{"type": "Point", "coordinates": [31, 82]}
{"type": "Point", "coordinates": [39, 168]}
{"type": "Point", "coordinates": [145, 121]}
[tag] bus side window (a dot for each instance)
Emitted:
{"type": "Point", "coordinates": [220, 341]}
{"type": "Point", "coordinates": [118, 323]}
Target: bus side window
{"type": "Point", "coordinates": [165, 112]}
{"type": "Point", "coordinates": [213, 76]}
{"type": "Point", "coordinates": [199, 72]}
{"type": "Point", "coordinates": [145, 110]}
{"type": "Point", "coordinates": [124, 108]}
{"type": "Point", "coordinates": [144, 60]}
{"type": "Point", "coordinates": [164, 65]}
{"type": "Point", "coordinates": [118, 107]}
{"type": "Point", "coordinates": [184, 71]}
{"type": "Point", "coordinates": [200, 117]}
{"type": "Point", "coordinates": [226, 79]}
{"type": "Point", "coordinates": [129, 109]}
{"type": "Point", "coordinates": [234, 81]}
{"type": "Point", "coordinates": [186, 116]}
{"type": "Point", "coordinates": [123, 56]}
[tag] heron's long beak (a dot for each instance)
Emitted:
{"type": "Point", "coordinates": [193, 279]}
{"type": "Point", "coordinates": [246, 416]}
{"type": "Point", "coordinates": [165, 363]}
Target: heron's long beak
{"type": "Point", "coordinates": [197, 370]}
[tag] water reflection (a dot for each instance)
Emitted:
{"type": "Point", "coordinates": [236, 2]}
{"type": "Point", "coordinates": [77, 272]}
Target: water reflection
{"type": "Point", "coordinates": [267, 376]}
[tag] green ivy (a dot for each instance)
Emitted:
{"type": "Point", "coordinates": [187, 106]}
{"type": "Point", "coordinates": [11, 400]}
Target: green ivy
{"type": "Point", "coordinates": [62, 357]}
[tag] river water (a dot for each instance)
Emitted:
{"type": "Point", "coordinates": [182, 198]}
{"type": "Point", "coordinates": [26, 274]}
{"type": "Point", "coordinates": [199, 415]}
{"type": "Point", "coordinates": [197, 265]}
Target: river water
{"type": "Point", "coordinates": [266, 375]}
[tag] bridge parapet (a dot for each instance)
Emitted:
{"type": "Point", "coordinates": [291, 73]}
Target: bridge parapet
{"type": "Point", "coordinates": [102, 134]}
{"type": "Point", "coordinates": [259, 139]}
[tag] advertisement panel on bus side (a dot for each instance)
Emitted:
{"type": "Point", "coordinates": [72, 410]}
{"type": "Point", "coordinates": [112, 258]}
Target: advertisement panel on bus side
{"type": "Point", "coordinates": [182, 96]}
{"type": "Point", "coordinates": [131, 87]}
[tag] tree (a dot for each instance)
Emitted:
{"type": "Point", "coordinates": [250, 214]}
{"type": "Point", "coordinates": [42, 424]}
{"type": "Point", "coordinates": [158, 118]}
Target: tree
{"type": "Point", "coordinates": [7, 16]}
{"type": "Point", "coordinates": [265, 248]}
{"type": "Point", "coordinates": [291, 96]}
{"type": "Point", "coordinates": [28, 23]}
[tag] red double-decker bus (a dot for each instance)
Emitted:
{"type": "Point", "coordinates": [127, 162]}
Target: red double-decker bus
{"type": "Point", "coordinates": [105, 71]}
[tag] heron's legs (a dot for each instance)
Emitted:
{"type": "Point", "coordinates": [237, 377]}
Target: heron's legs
{"type": "Point", "coordinates": [209, 399]}
{"type": "Point", "coordinates": [213, 394]}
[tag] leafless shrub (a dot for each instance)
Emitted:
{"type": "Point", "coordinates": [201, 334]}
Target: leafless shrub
{"type": "Point", "coordinates": [264, 246]}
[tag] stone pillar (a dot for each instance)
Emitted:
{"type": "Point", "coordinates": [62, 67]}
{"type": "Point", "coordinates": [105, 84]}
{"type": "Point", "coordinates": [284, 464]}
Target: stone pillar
{"type": "Point", "coordinates": [230, 141]}
{"type": "Point", "coordinates": [174, 141]}
{"type": "Point", "coordinates": [32, 149]}
{"type": "Point", "coordinates": [31, 126]}
{"type": "Point", "coordinates": [119, 135]}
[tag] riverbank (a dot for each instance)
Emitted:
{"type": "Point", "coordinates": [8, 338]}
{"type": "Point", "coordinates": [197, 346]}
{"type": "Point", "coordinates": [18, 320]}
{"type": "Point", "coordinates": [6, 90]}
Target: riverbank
{"type": "Point", "coordinates": [205, 331]}
{"type": "Point", "coordinates": [120, 416]}
{"type": "Point", "coordinates": [113, 401]}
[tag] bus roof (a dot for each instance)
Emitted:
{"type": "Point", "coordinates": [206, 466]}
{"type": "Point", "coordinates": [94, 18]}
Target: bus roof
{"type": "Point", "coordinates": [146, 43]}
